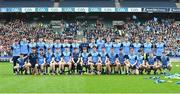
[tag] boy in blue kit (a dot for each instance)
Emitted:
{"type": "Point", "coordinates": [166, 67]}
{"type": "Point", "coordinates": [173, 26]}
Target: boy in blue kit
{"type": "Point", "coordinates": [76, 62]}
{"type": "Point", "coordinates": [103, 57]}
{"type": "Point", "coordinates": [116, 45]}
{"type": "Point", "coordinates": [76, 45]}
{"type": "Point", "coordinates": [31, 45]}
{"type": "Point", "coordinates": [33, 60]}
{"type": "Point", "coordinates": [136, 46]}
{"type": "Point", "coordinates": [132, 59]}
{"type": "Point", "coordinates": [49, 44]}
{"type": "Point", "coordinates": [100, 43]}
{"type": "Point", "coordinates": [165, 62]}
{"type": "Point", "coordinates": [21, 65]}
{"type": "Point", "coordinates": [92, 44]}
{"type": "Point", "coordinates": [41, 62]}
{"type": "Point", "coordinates": [40, 45]}
{"type": "Point", "coordinates": [95, 59]}
{"type": "Point", "coordinates": [112, 58]}
{"type": "Point", "coordinates": [15, 53]}
{"type": "Point", "coordinates": [24, 46]}
{"type": "Point", "coordinates": [49, 59]}
{"type": "Point", "coordinates": [140, 61]}
{"type": "Point", "coordinates": [58, 45]}
{"type": "Point", "coordinates": [126, 46]}
{"type": "Point", "coordinates": [67, 60]}
{"type": "Point", "coordinates": [108, 44]}
{"type": "Point", "coordinates": [84, 58]}
{"type": "Point", "coordinates": [151, 59]}
{"type": "Point", "coordinates": [121, 60]}
{"type": "Point", "coordinates": [159, 47]}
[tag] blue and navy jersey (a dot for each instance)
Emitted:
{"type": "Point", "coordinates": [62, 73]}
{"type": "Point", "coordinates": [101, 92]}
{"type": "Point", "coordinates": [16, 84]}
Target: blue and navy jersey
{"type": "Point", "coordinates": [103, 56]}
{"type": "Point", "coordinates": [112, 57]}
{"type": "Point", "coordinates": [67, 56]}
{"type": "Point", "coordinates": [147, 47]}
{"type": "Point", "coordinates": [91, 46]}
{"type": "Point", "coordinates": [41, 58]}
{"type": "Point", "coordinates": [151, 60]}
{"type": "Point", "coordinates": [100, 44]}
{"type": "Point", "coordinates": [33, 58]}
{"type": "Point", "coordinates": [164, 60]}
{"type": "Point", "coordinates": [58, 45]}
{"type": "Point", "coordinates": [136, 47]}
{"type": "Point", "coordinates": [75, 56]}
{"type": "Point", "coordinates": [57, 57]}
{"type": "Point", "coordinates": [40, 45]}
{"type": "Point", "coordinates": [108, 47]}
{"type": "Point", "coordinates": [66, 45]}
{"type": "Point", "coordinates": [21, 62]}
{"type": "Point", "coordinates": [159, 48]}
{"type": "Point", "coordinates": [132, 59]}
{"type": "Point", "coordinates": [75, 45]}
{"type": "Point", "coordinates": [15, 49]}
{"type": "Point", "coordinates": [31, 45]}
{"type": "Point", "coordinates": [121, 57]}
{"type": "Point", "coordinates": [51, 46]}
{"type": "Point", "coordinates": [24, 47]}
{"type": "Point", "coordinates": [140, 59]}
{"type": "Point", "coordinates": [84, 45]}
{"type": "Point", "coordinates": [84, 57]}
{"type": "Point", "coordinates": [116, 46]}
{"type": "Point", "coordinates": [49, 57]}
{"type": "Point", "coordinates": [95, 56]}
{"type": "Point", "coordinates": [126, 47]}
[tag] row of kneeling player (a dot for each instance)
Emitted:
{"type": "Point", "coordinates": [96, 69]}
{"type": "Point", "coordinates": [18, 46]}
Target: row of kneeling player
{"type": "Point", "coordinates": [93, 63]}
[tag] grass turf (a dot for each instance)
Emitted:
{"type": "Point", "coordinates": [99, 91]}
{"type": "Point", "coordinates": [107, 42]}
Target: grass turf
{"type": "Point", "coordinates": [10, 83]}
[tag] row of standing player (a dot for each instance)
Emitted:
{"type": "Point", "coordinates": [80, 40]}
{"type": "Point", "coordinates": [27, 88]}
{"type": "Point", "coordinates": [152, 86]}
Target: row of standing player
{"type": "Point", "coordinates": [93, 61]}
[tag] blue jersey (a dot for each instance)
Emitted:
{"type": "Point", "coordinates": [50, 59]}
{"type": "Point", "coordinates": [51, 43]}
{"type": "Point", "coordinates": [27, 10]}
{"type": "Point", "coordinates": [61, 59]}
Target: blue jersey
{"type": "Point", "coordinates": [121, 58]}
{"type": "Point", "coordinates": [116, 47]}
{"type": "Point", "coordinates": [136, 47]}
{"type": "Point", "coordinates": [49, 57]}
{"type": "Point", "coordinates": [40, 45]}
{"type": "Point", "coordinates": [24, 47]}
{"type": "Point", "coordinates": [103, 57]}
{"type": "Point", "coordinates": [108, 47]}
{"type": "Point", "coordinates": [16, 49]}
{"type": "Point", "coordinates": [57, 57]}
{"type": "Point", "coordinates": [126, 47]}
{"type": "Point", "coordinates": [132, 59]}
{"type": "Point", "coordinates": [159, 48]}
{"type": "Point", "coordinates": [48, 45]}
{"type": "Point", "coordinates": [91, 45]}
{"type": "Point", "coordinates": [21, 62]}
{"type": "Point", "coordinates": [165, 60]}
{"type": "Point", "coordinates": [67, 56]}
{"type": "Point", "coordinates": [147, 47]}
{"type": "Point", "coordinates": [151, 60]}
{"type": "Point", "coordinates": [100, 44]}
{"type": "Point", "coordinates": [66, 45]}
{"type": "Point", "coordinates": [95, 56]}
{"type": "Point", "coordinates": [84, 57]}
{"type": "Point", "coordinates": [58, 45]}
{"type": "Point", "coordinates": [112, 57]}
{"type": "Point", "coordinates": [140, 59]}
{"type": "Point", "coordinates": [31, 45]}
{"type": "Point", "coordinates": [75, 57]}
{"type": "Point", "coordinates": [41, 58]}
{"type": "Point", "coordinates": [75, 45]}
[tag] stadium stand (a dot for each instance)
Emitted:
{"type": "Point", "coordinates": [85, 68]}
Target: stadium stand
{"type": "Point", "coordinates": [26, 3]}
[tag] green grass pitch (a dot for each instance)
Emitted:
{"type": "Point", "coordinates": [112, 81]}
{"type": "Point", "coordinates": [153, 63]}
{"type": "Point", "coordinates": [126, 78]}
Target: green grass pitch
{"type": "Point", "coordinates": [10, 83]}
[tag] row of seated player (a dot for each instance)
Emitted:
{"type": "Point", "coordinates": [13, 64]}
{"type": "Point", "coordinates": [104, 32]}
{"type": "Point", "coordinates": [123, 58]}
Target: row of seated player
{"type": "Point", "coordinates": [81, 63]}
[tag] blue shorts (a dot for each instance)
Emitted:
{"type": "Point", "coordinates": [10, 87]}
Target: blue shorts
{"type": "Point", "coordinates": [158, 58]}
